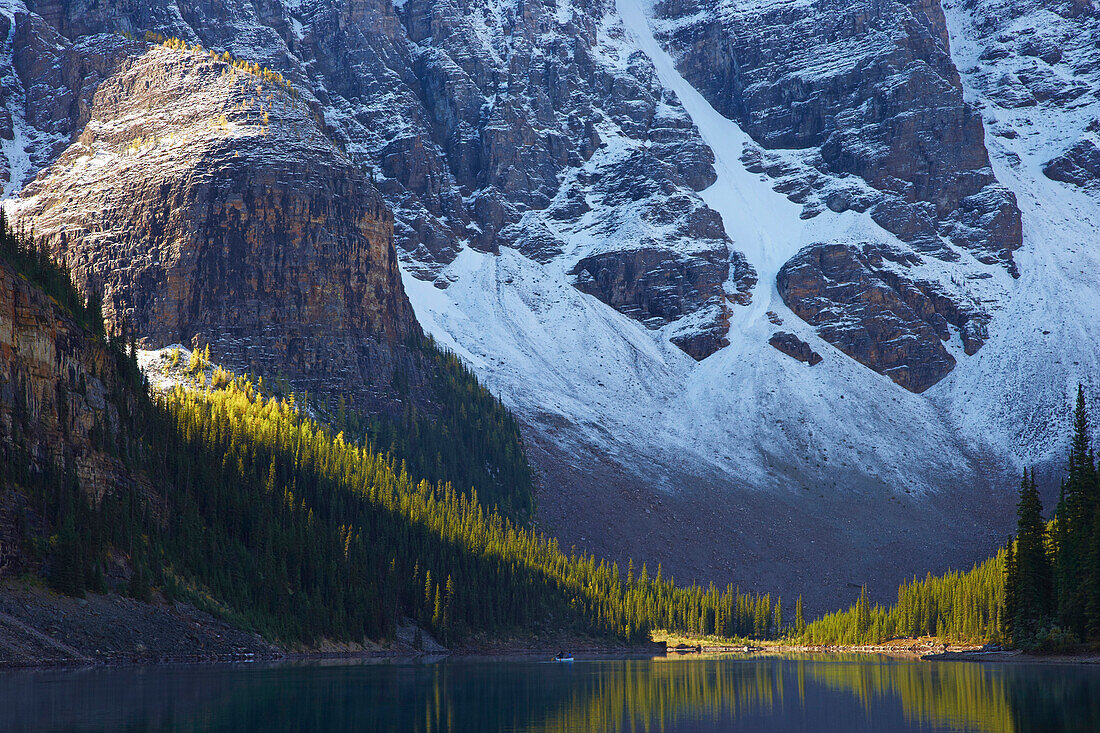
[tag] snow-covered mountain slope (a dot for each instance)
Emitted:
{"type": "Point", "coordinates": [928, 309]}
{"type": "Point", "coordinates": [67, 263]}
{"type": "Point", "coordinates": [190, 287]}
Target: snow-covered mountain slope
{"type": "Point", "coordinates": [749, 416]}
{"type": "Point", "coordinates": [612, 210]}
{"type": "Point", "coordinates": [1033, 70]}
{"type": "Point", "coordinates": [551, 349]}
{"type": "Point", "coordinates": [815, 442]}
{"type": "Point", "coordinates": [31, 135]}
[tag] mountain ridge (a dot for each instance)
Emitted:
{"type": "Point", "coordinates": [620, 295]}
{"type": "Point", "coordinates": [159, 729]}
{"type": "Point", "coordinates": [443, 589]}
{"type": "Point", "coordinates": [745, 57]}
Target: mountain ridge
{"type": "Point", "coordinates": [545, 163]}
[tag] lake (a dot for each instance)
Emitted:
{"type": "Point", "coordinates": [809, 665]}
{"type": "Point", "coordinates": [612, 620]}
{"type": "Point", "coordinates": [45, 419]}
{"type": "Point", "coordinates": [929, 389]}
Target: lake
{"type": "Point", "coordinates": [810, 693]}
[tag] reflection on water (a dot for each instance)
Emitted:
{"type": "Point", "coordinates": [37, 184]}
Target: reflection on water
{"type": "Point", "coordinates": [770, 693]}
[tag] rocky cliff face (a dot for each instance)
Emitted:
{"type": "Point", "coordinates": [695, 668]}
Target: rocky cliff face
{"type": "Point", "coordinates": [60, 401]}
{"type": "Point", "coordinates": [541, 128]}
{"type": "Point", "coordinates": [875, 95]}
{"type": "Point", "coordinates": [482, 126]}
{"type": "Point", "coordinates": [871, 118]}
{"type": "Point", "coordinates": [208, 206]}
{"type": "Point", "coordinates": [658, 288]}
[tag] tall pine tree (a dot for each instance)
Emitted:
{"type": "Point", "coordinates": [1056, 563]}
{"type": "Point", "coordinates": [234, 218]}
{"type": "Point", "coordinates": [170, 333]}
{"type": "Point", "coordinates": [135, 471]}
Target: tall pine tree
{"type": "Point", "coordinates": [1030, 574]}
{"type": "Point", "coordinates": [1078, 580]}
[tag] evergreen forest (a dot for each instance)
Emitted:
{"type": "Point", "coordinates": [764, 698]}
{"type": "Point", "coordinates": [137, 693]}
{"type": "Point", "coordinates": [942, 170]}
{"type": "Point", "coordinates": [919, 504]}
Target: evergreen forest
{"type": "Point", "coordinates": [344, 527]}
{"type": "Point", "coordinates": [1052, 594]}
{"type": "Point", "coordinates": [280, 524]}
{"type": "Point", "coordinates": [1040, 592]}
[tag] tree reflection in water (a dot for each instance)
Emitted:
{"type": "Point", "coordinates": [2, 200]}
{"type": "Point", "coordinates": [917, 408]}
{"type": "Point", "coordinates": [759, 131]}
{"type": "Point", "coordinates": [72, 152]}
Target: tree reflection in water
{"type": "Point", "coordinates": [699, 694]}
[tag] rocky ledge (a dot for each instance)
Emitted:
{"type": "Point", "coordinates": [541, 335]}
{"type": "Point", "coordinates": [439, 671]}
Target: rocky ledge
{"type": "Point", "coordinates": [1080, 164]}
{"type": "Point", "coordinates": [863, 301]}
{"type": "Point", "coordinates": [659, 287]}
{"type": "Point", "coordinates": [795, 347]}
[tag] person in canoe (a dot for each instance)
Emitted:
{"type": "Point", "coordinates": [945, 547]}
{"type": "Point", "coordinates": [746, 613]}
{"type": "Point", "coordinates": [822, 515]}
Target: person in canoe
{"type": "Point", "coordinates": [563, 657]}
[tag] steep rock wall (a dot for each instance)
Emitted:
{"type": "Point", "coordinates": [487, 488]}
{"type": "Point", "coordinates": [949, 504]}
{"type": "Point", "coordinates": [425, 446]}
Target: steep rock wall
{"type": "Point", "coordinates": [482, 125]}
{"type": "Point", "coordinates": [60, 400]}
{"type": "Point", "coordinates": [873, 94]}
{"type": "Point", "coordinates": [208, 206]}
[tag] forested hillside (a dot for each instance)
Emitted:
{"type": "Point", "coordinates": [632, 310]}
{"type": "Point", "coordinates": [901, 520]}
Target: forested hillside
{"type": "Point", "coordinates": [473, 442]}
{"type": "Point", "coordinates": [244, 505]}
{"type": "Point", "coordinates": [1041, 592]}
{"type": "Point", "coordinates": [267, 499]}
{"type": "Point", "coordinates": [236, 503]}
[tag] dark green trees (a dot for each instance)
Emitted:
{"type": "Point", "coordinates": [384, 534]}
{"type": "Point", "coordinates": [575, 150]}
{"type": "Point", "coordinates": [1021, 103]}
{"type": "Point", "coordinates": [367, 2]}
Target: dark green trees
{"type": "Point", "coordinates": [471, 440]}
{"type": "Point", "coordinates": [1076, 534]}
{"type": "Point", "coordinates": [67, 571]}
{"type": "Point", "coordinates": [245, 506]}
{"type": "Point", "coordinates": [1051, 604]}
{"type": "Point", "coordinates": [1029, 581]}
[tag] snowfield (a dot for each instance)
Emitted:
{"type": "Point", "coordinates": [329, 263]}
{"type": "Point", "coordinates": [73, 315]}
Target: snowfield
{"type": "Point", "coordinates": [748, 412]}
{"type": "Point", "coordinates": [1045, 337]}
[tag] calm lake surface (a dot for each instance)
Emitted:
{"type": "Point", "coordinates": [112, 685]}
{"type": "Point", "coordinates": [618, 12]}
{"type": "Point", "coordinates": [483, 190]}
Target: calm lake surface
{"type": "Point", "coordinates": [843, 693]}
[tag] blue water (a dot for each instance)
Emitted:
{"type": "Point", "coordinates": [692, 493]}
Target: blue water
{"type": "Point", "coordinates": [671, 695]}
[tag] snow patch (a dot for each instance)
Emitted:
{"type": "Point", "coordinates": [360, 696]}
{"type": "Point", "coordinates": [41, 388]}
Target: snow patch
{"type": "Point", "coordinates": [1019, 388]}
{"type": "Point", "coordinates": [748, 414]}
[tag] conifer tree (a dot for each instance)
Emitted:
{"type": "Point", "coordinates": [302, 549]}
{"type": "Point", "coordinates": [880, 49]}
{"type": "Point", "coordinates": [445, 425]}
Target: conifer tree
{"type": "Point", "coordinates": [1030, 572]}
{"type": "Point", "coordinates": [863, 613]}
{"type": "Point", "coordinates": [67, 574]}
{"type": "Point", "coordinates": [1011, 607]}
{"type": "Point", "coordinates": [1078, 580]}
{"type": "Point", "coordinates": [1063, 575]}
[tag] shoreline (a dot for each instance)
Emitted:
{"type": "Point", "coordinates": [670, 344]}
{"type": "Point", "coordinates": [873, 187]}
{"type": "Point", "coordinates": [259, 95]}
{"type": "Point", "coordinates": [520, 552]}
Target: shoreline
{"type": "Point", "coordinates": [520, 652]}
{"type": "Point", "coordinates": [926, 648]}
{"type": "Point", "coordinates": [333, 658]}
{"type": "Point", "coordinates": [41, 630]}
{"type": "Point", "coordinates": [1015, 656]}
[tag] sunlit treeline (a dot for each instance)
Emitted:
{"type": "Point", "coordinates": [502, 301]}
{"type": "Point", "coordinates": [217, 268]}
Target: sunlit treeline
{"type": "Point", "coordinates": [372, 544]}
{"type": "Point", "coordinates": [955, 606]}
{"type": "Point", "coordinates": [1041, 591]}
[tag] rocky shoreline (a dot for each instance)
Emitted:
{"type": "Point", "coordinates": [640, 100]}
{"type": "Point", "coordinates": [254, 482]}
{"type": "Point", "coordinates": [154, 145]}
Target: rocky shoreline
{"type": "Point", "coordinates": [931, 650]}
{"type": "Point", "coordinates": [40, 629]}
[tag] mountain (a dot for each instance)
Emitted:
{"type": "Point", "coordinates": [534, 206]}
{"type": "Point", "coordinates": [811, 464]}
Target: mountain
{"type": "Point", "coordinates": [627, 219]}
{"type": "Point", "coordinates": [177, 154]}
{"type": "Point", "coordinates": [214, 496]}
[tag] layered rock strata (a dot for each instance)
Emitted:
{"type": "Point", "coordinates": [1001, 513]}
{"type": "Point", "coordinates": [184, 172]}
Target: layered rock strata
{"type": "Point", "coordinates": [60, 401]}
{"type": "Point", "coordinates": [208, 206]}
